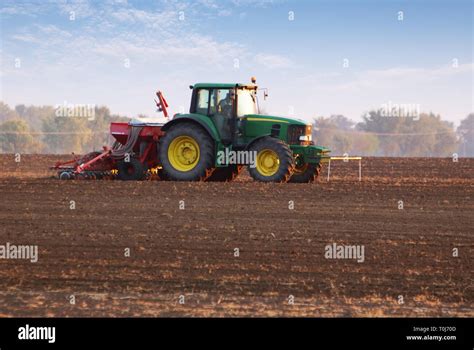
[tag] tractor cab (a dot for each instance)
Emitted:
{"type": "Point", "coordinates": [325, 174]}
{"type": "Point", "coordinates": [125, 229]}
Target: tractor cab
{"type": "Point", "coordinates": [224, 104]}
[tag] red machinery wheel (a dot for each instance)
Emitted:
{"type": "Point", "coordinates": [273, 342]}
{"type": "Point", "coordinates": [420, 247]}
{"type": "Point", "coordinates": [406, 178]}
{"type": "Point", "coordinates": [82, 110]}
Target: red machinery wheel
{"type": "Point", "coordinates": [132, 170]}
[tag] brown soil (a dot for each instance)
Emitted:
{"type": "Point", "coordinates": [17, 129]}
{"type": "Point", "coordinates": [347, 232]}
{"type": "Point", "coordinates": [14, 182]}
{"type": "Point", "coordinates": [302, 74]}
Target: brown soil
{"type": "Point", "coordinates": [190, 252]}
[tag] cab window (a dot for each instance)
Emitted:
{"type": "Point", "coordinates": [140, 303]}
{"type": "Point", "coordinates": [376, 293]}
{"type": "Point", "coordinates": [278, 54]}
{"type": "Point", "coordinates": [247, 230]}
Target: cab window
{"type": "Point", "coordinates": [202, 105]}
{"type": "Point", "coordinates": [221, 102]}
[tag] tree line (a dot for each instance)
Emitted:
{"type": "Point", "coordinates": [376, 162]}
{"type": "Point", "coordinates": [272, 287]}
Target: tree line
{"type": "Point", "coordinates": [426, 135]}
{"type": "Point", "coordinates": [39, 129]}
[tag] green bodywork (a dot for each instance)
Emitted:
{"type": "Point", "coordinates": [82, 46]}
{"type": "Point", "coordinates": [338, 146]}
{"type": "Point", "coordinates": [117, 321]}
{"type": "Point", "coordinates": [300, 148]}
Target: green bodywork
{"type": "Point", "coordinates": [255, 126]}
{"type": "Point", "coordinates": [251, 127]}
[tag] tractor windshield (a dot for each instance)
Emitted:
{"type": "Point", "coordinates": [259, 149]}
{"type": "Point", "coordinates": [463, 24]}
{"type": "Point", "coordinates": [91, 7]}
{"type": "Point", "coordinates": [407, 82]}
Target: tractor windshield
{"type": "Point", "coordinates": [246, 102]}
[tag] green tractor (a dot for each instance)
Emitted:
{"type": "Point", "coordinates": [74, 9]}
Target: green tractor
{"type": "Point", "coordinates": [223, 132]}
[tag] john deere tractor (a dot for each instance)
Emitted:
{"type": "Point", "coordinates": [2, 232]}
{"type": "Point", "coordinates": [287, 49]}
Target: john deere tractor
{"type": "Point", "coordinates": [224, 120]}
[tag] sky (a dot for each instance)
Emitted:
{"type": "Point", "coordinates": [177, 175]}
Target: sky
{"type": "Point", "coordinates": [316, 58]}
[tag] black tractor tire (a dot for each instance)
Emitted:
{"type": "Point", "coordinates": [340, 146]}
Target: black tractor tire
{"type": "Point", "coordinates": [226, 174]}
{"type": "Point", "coordinates": [284, 166]}
{"type": "Point", "coordinates": [308, 173]}
{"type": "Point", "coordinates": [204, 164]}
{"type": "Point", "coordinates": [66, 175]}
{"type": "Point", "coordinates": [162, 176]}
{"type": "Point", "coordinates": [130, 171]}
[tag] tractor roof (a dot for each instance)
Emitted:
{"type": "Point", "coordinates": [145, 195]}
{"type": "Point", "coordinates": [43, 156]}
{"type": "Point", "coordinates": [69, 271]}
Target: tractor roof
{"type": "Point", "coordinates": [221, 85]}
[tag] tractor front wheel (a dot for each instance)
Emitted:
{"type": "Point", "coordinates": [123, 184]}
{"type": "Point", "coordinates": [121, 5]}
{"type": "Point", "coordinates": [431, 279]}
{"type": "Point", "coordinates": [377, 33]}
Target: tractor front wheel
{"type": "Point", "coordinates": [187, 153]}
{"type": "Point", "coordinates": [305, 173]}
{"type": "Point", "coordinates": [274, 161]}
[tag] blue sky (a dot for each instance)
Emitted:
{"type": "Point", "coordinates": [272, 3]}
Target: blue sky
{"type": "Point", "coordinates": [172, 44]}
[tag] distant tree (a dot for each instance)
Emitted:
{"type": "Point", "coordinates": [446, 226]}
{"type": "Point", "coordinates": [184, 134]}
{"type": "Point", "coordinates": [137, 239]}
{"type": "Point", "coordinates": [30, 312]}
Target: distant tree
{"type": "Point", "coordinates": [15, 137]}
{"type": "Point", "coordinates": [35, 115]}
{"type": "Point", "coordinates": [341, 122]}
{"type": "Point", "coordinates": [465, 131]}
{"type": "Point", "coordinates": [365, 144]}
{"type": "Point", "coordinates": [6, 113]}
{"type": "Point", "coordinates": [79, 134]}
{"type": "Point", "coordinates": [20, 110]}
{"type": "Point", "coordinates": [67, 134]}
{"type": "Point", "coordinates": [333, 133]}
{"type": "Point", "coordinates": [100, 127]}
{"type": "Point", "coordinates": [425, 136]}
{"type": "Point", "coordinates": [62, 133]}
{"type": "Point", "coordinates": [337, 133]}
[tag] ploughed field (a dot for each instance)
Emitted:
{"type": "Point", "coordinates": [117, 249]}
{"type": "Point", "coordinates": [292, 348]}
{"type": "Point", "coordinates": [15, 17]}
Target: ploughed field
{"type": "Point", "coordinates": [156, 248]}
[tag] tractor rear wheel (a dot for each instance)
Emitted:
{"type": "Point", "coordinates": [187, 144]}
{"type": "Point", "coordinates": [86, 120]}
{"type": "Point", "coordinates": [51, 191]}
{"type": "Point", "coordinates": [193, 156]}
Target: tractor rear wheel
{"type": "Point", "coordinates": [187, 153]}
{"type": "Point", "coordinates": [274, 161]}
{"type": "Point", "coordinates": [132, 170]}
{"type": "Point", "coordinates": [226, 174]}
{"type": "Point", "coordinates": [306, 173]}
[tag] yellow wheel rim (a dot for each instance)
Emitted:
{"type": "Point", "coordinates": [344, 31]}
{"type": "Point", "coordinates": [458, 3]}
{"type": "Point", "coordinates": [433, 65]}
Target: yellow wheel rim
{"type": "Point", "coordinates": [183, 153]}
{"type": "Point", "coordinates": [268, 162]}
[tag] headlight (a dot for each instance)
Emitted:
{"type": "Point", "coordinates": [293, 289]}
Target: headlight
{"type": "Point", "coordinates": [306, 138]}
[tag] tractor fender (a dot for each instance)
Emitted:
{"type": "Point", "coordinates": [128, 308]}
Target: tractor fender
{"type": "Point", "coordinates": [250, 144]}
{"type": "Point", "coordinates": [198, 120]}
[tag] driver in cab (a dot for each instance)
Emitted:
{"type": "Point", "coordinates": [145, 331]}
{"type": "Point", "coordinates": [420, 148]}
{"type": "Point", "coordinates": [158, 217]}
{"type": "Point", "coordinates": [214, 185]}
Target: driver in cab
{"type": "Point", "coordinates": [225, 105]}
